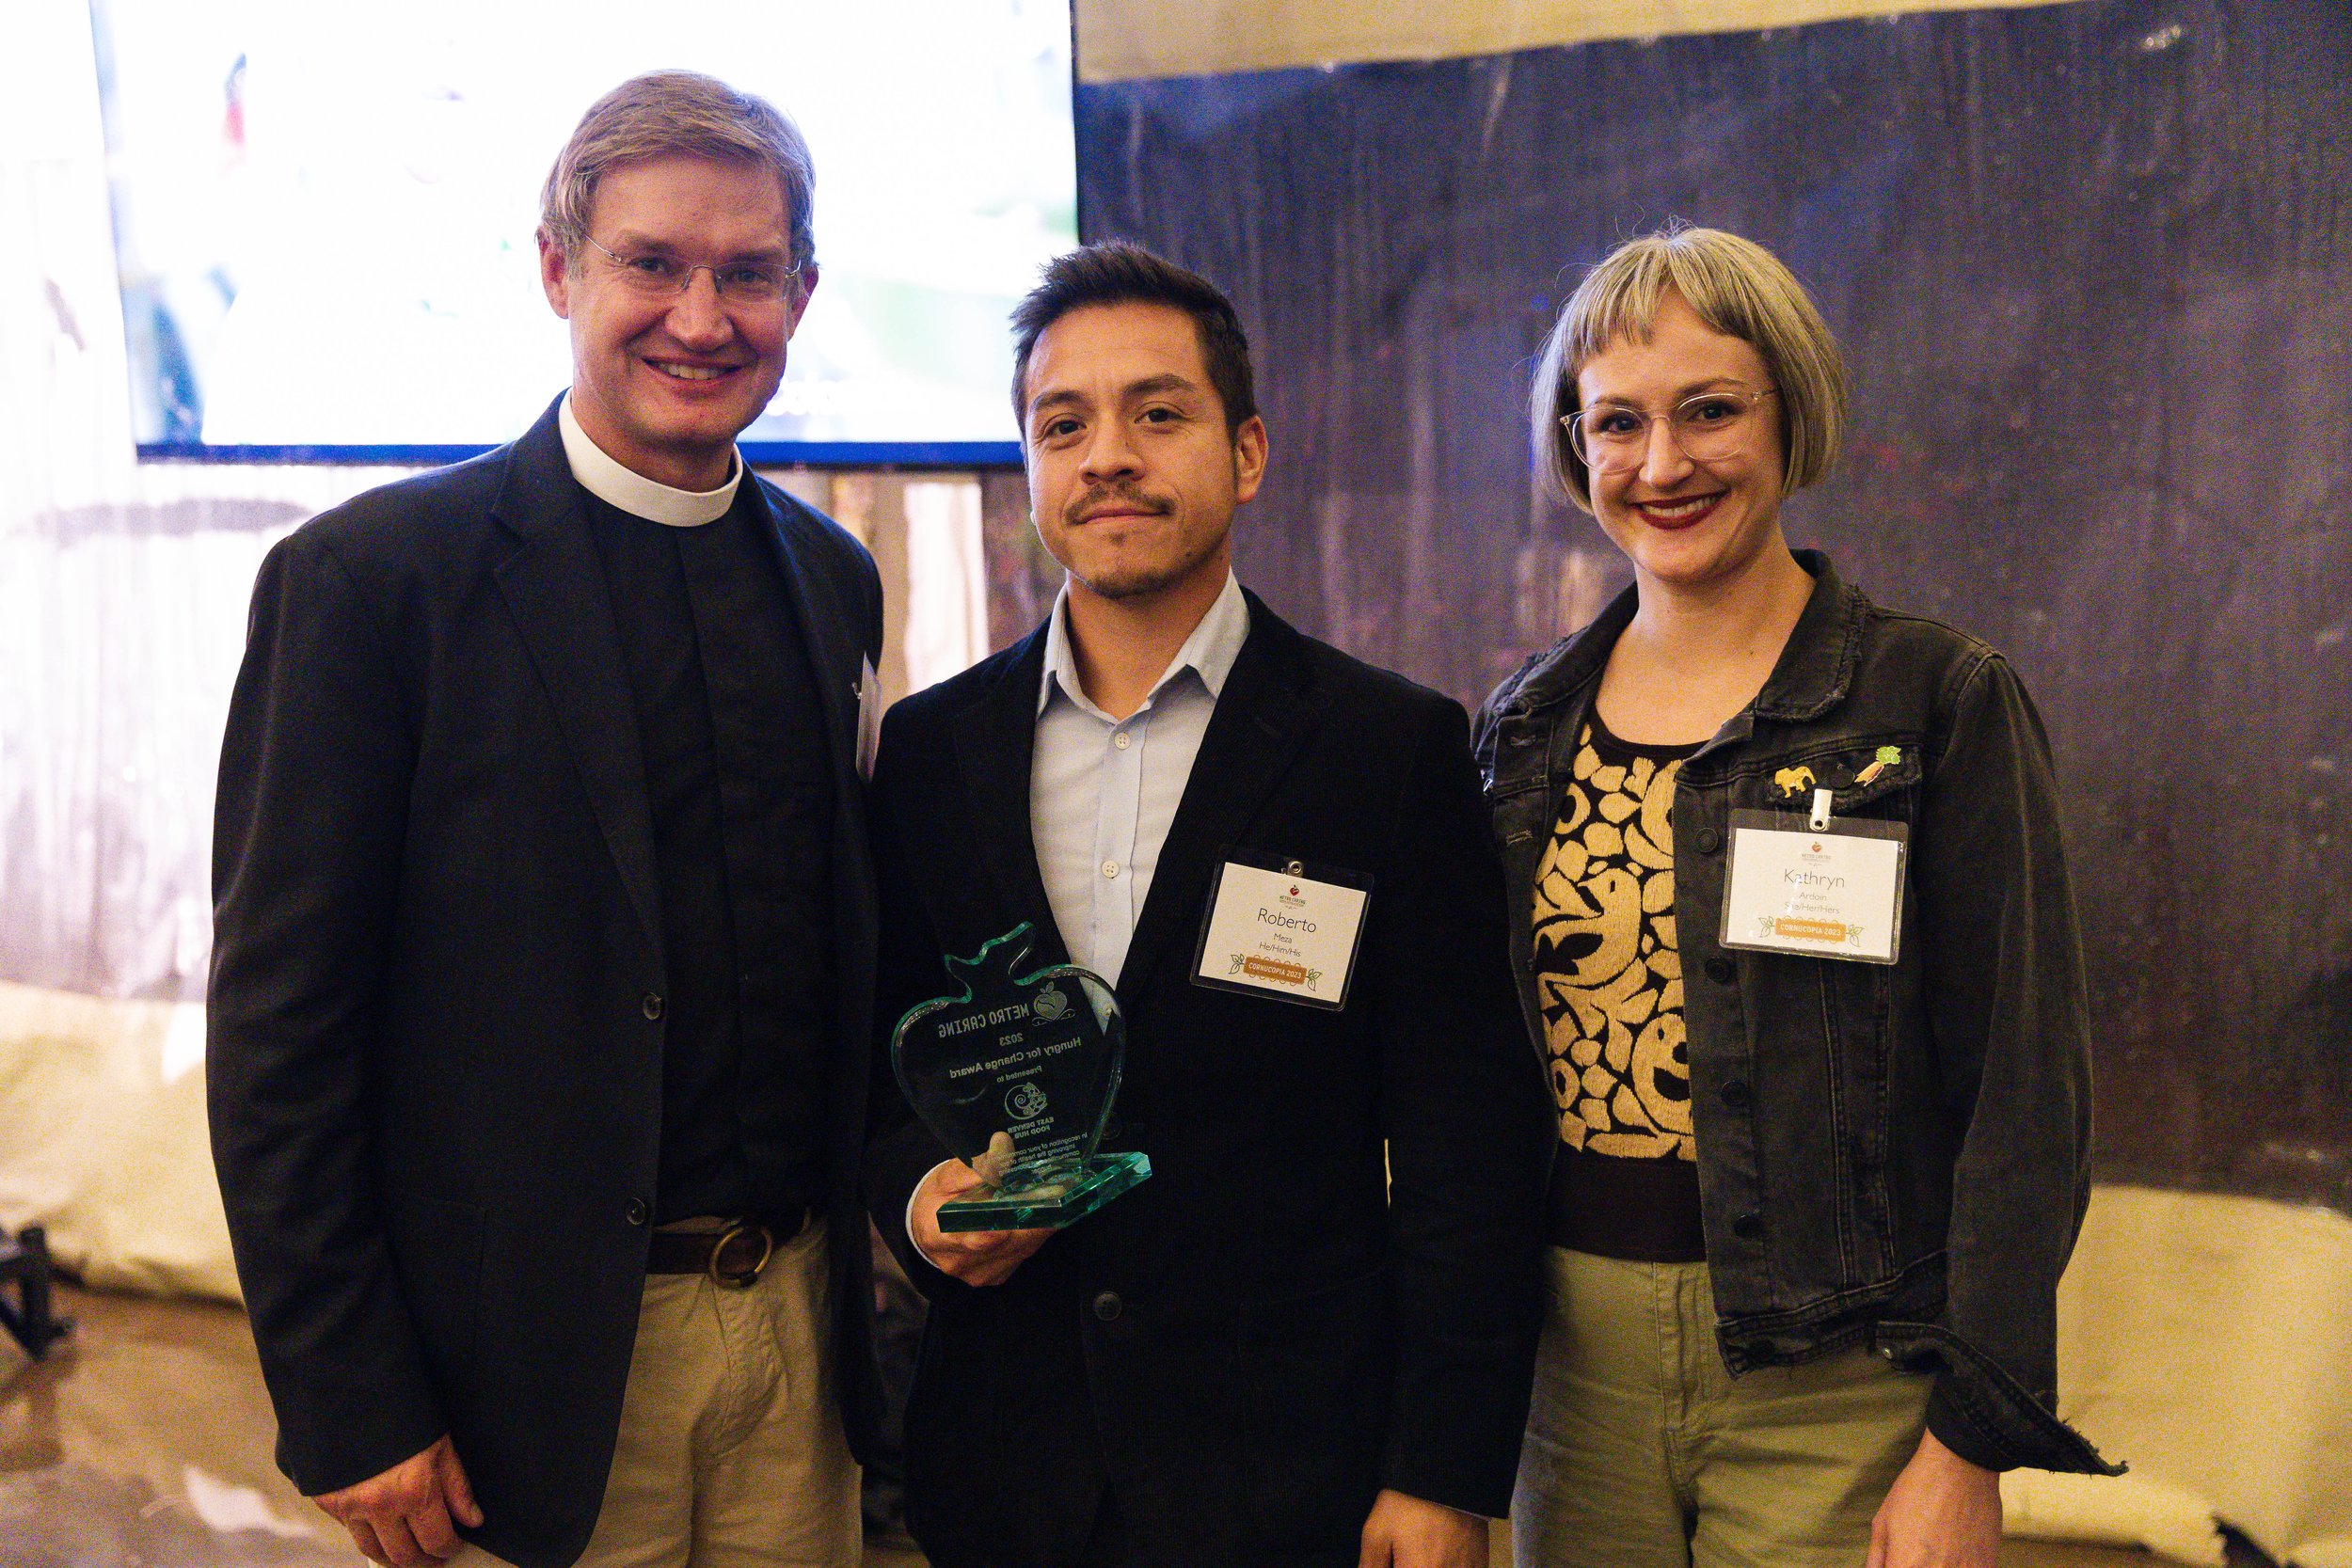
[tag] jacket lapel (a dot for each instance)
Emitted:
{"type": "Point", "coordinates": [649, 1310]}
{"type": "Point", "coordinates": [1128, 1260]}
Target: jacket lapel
{"type": "Point", "coordinates": [1262, 717]}
{"type": "Point", "coordinates": [554, 587]}
{"type": "Point", "coordinates": [994, 741]}
{"type": "Point", "coordinates": [824, 624]}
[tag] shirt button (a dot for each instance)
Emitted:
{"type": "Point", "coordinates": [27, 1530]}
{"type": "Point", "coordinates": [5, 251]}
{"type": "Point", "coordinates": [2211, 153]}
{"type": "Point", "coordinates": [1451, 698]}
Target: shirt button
{"type": "Point", "coordinates": [1122, 740]}
{"type": "Point", "coordinates": [651, 1005]}
{"type": "Point", "coordinates": [1720, 970]}
{"type": "Point", "coordinates": [1748, 1226]}
{"type": "Point", "coordinates": [1107, 1305]}
{"type": "Point", "coordinates": [1110, 868]}
{"type": "Point", "coordinates": [635, 1211]}
{"type": "Point", "coordinates": [1737, 1095]}
{"type": "Point", "coordinates": [1707, 840]}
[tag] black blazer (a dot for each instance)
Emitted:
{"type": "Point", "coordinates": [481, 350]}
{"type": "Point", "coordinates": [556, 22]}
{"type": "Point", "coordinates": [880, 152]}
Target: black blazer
{"type": "Point", "coordinates": [436, 1036]}
{"type": "Point", "coordinates": [1252, 1343]}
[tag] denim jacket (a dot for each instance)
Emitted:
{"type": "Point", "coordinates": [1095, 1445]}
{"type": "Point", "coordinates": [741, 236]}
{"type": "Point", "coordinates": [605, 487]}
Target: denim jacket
{"type": "Point", "coordinates": [1894, 1156]}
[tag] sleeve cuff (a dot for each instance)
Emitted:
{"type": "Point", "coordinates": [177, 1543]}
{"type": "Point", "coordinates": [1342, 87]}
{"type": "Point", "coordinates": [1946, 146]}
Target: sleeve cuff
{"type": "Point", "coordinates": [1956, 1432]}
{"type": "Point", "coordinates": [908, 1222]}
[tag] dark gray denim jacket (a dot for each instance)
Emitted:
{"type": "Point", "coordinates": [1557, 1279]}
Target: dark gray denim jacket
{"type": "Point", "coordinates": [1894, 1156]}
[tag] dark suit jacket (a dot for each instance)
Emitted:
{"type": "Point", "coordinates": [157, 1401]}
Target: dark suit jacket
{"type": "Point", "coordinates": [1251, 1343]}
{"type": "Point", "coordinates": [435, 1044]}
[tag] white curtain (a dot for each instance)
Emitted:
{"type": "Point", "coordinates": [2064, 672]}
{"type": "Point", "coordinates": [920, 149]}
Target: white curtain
{"type": "Point", "coordinates": [122, 585]}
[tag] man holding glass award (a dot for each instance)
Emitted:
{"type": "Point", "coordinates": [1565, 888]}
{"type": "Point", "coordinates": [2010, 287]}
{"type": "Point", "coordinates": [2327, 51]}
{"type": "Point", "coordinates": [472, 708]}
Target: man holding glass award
{"type": "Point", "coordinates": [1227, 1153]}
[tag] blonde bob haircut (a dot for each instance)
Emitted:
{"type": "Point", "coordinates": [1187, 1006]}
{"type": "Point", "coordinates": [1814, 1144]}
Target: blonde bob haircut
{"type": "Point", "coordinates": [1735, 286]}
{"type": "Point", "coordinates": [664, 113]}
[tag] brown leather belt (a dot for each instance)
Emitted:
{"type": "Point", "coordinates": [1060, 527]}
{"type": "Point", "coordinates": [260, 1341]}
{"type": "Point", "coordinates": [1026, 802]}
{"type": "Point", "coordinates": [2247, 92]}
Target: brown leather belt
{"type": "Point", "coordinates": [733, 1257]}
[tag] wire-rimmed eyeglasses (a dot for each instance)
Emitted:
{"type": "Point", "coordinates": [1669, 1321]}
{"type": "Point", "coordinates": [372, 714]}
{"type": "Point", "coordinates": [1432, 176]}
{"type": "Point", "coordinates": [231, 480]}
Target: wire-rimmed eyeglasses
{"type": "Point", "coordinates": [1614, 438]}
{"type": "Point", "coordinates": [657, 275]}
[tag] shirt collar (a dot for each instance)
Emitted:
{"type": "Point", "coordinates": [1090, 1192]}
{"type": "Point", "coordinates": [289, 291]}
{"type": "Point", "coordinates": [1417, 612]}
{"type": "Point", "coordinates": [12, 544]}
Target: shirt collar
{"type": "Point", "coordinates": [1208, 653]}
{"type": "Point", "coordinates": [609, 480]}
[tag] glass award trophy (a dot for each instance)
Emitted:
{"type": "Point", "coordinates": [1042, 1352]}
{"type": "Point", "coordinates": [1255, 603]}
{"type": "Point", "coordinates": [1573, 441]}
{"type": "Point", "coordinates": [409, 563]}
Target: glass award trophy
{"type": "Point", "coordinates": [1016, 1076]}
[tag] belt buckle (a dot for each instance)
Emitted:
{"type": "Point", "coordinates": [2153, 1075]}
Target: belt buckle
{"type": "Point", "coordinates": [740, 1279]}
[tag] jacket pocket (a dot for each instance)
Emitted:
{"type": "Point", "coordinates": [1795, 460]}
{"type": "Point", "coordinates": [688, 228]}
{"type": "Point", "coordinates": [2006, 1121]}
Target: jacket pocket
{"type": "Point", "coordinates": [1876, 776]}
{"type": "Point", "coordinates": [1317, 1371]}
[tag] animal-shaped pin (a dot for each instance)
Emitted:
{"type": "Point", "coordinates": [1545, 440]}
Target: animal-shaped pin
{"type": "Point", "coordinates": [1793, 781]}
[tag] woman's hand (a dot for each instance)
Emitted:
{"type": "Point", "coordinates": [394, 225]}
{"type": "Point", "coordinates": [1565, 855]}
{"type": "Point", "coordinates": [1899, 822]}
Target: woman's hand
{"type": "Point", "coordinates": [1942, 1513]}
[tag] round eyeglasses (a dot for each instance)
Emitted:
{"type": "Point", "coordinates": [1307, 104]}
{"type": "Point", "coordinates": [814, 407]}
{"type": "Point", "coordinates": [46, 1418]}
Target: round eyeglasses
{"type": "Point", "coordinates": [1613, 438]}
{"type": "Point", "coordinates": [657, 276]}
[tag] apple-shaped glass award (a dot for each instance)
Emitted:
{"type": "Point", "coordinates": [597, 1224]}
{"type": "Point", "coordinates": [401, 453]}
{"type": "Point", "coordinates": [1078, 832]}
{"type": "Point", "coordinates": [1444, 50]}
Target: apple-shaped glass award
{"type": "Point", "coordinates": [1016, 1076]}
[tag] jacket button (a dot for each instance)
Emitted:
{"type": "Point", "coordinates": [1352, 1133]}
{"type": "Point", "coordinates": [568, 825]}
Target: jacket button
{"type": "Point", "coordinates": [1738, 1095]}
{"type": "Point", "coordinates": [1107, 1305]}
{"type": "Point", "coordinates": [1748, 1226]}
{"type": "Point", "coordinates": [651, 1005]}
{"type": "Point", "coordinates": [635, 1211]}
{"type": "Point", "coordinates": [1720, 970]}
{"type": "Point", "coordinates": [1708, 841]}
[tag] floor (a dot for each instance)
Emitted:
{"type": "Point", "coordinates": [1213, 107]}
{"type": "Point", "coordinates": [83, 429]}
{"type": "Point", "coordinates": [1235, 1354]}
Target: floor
{"type": "Point", "coordinates": [144, 1442]}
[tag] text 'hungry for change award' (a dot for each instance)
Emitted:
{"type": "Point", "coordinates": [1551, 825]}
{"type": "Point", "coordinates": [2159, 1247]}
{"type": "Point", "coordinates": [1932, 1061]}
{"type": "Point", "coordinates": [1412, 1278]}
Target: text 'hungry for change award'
{"type": "Point", "coordinates": [1016, 1076]}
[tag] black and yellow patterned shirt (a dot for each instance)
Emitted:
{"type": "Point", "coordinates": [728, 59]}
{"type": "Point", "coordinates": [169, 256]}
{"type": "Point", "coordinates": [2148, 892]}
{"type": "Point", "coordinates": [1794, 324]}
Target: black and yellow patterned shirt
{"type": "Point", "coordinates": [1609, 978]}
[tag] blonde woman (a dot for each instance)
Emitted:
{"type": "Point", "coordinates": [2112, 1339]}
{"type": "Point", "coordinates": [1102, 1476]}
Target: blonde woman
{"type": "Point", "coordinates": [1795, 938]}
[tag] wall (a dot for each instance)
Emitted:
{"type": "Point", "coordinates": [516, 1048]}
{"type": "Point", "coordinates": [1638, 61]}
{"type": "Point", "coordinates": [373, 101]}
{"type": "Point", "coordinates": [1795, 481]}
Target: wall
{"type": "Point", "coordinates": [2089, 266]}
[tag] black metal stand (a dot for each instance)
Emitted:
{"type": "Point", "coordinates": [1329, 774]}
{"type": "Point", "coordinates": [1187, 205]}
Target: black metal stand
{"type": "Point", "coordinates": [25, 1263]}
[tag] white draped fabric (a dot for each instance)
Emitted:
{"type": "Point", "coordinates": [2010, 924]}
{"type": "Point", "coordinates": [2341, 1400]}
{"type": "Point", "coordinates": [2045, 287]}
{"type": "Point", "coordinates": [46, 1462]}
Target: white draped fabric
{"type": "Point", "coordinates": [122, 585]}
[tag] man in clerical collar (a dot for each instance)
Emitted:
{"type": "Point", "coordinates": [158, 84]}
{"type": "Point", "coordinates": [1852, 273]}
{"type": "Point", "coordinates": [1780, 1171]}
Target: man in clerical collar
{"type": "Point", "coordinates": [1307, 1338]}
{"type": "Point", "coordinates": [545, 929]}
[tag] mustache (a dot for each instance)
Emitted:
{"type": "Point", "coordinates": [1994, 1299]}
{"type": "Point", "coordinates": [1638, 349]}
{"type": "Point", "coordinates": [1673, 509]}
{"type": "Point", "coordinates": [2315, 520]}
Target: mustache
{"type": "Point", "coordinates": [1108, 497]}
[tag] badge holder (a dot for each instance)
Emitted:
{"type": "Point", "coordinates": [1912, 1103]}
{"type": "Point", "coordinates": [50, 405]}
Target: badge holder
{"type": "Point", "coordinates": [1270, 975]}
{"type": "Point", "coordinates": [1816, 885]}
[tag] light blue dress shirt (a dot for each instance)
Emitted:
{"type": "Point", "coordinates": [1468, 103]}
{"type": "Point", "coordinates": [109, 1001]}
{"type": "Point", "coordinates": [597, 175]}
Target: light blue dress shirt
{"type": "Point", "coordinates": [1102, 791]}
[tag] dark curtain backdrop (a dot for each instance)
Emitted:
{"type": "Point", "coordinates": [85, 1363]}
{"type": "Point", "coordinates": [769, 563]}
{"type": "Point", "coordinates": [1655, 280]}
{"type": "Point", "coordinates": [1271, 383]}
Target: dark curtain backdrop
{"type": "Point", "coordinates": [2089, 263]}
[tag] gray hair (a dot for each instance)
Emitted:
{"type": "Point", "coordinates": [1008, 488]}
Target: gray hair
{"type": "Point", "coordinates": [1735, 286]}
{"type": "Point", "coordinates": [667, 112]}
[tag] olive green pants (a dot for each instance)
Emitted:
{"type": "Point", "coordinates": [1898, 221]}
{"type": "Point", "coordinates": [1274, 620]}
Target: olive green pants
{"type": "Point", "coordinates": [1644, 1452]}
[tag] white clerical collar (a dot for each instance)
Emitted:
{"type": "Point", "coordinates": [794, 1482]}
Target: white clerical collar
{"type": "Point", "coordinates": [605, 477]}
{"type": "Point", "coordinates": [1208, 653]}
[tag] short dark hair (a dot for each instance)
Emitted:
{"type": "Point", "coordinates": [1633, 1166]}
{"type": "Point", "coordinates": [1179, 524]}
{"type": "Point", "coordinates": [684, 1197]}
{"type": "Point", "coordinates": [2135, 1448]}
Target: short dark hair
{"type": "Point", "coordinates": [1118, 273]}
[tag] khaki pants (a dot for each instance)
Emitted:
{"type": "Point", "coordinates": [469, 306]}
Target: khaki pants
{"type": "Point", "coordinates": [731, 1452]}
{"type": "Point", "coordinates": [1644, 1452]}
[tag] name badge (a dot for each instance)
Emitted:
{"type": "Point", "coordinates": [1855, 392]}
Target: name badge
{"type": "Point", "coordinates": [1827, 887]}
{"type": "Point", "coordinates": [1282, 929]}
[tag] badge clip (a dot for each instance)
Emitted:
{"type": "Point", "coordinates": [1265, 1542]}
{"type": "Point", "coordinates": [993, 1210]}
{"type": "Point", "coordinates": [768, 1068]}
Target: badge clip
{"type": "Point", "coordinates": [1820, 811]}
